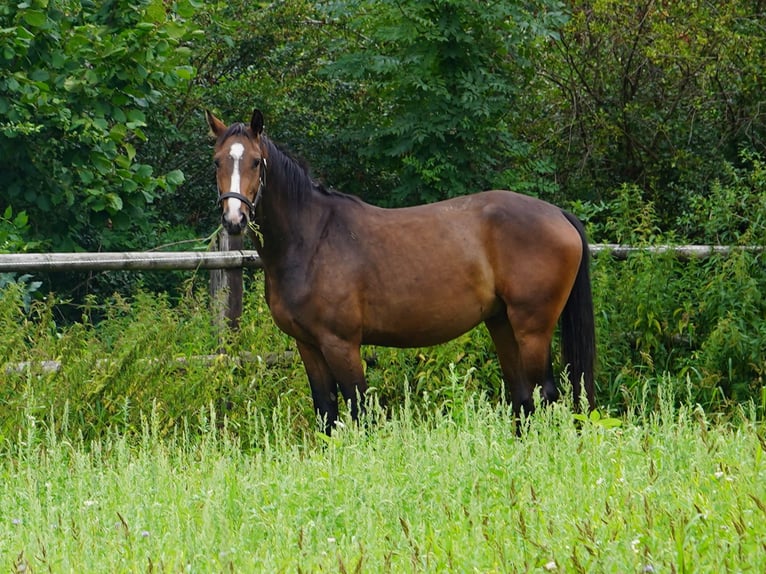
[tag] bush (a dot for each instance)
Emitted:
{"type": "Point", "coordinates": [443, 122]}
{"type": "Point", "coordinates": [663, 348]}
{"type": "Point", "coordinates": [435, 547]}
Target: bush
{"type": "Point", "coordinates": [145, 356]}
{"type": "Point", "coordinates": [701, 320]}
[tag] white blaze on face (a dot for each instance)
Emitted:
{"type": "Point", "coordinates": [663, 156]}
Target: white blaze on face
{"type": "Point", "coordinates": [236, 152]}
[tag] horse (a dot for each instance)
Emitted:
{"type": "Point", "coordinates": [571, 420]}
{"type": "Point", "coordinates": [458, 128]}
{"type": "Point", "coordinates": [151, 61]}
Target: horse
{"type": "Point", "coordinates": [341, 273]}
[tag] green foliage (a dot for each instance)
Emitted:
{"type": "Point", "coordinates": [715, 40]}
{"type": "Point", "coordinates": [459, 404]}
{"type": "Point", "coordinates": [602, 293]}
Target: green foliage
{"type": "Point", "coordinates": [276, 69]}
{"type": "Point", "coordinates": [12, 230]}
{"type": "Point", "coordinates": [78, 81]}
{"type": "Point", "coordinates": [733, 210]}
{"type": "Point", "coordinates": [112, 371]}
{"type": "Point", "coordinates": [437, 84]}
{"type": "Point", "coordinates": [701, 321]}
{"type": "Point", "coordinates": [656, 94]}
{"type": "Point", "coordinates": [400, 102]}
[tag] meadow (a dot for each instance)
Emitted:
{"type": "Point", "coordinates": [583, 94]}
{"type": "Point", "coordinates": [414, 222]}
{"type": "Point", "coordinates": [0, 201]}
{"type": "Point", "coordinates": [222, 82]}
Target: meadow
{"type": "Point", "coordinates": [127, 444]}
{"type": "Point", "coordinates": [420, 489]}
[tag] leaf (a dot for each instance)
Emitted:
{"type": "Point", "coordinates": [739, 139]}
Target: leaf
{"type": "Point", "coordinates": [40, 76]}
{"type": "Point", "coordinates": [58, 59]}
{"type": "Point", "coordinates": [98, 204]}
{"type": "Point", "coordinates": [71, 84]}
{"type": "Point", "coordinates": [86, 176]}
{"type": "Point", "coordinates": [175, 30]}
{"type": "Point", "coordinates": [35, 18]}
{"type": "Point", "coordinates": [136, 116]}
{"type": "Point", "coordinates": [118, 132]}
{"type": "Point", "coordinates": [175, 177]}
{"type": "Point", "coordinates": [156, 11]}
{"type": "Point", "coordinates": [185, 72]}
{"type": "Point", "coordinates": [122, 161]}
{"type": "Point", "coordinates": [136, 119]}
{"type": "Point", "coordinates": [101, 123]}
{"type": "Point", "coordinates": [21, 220]}
{"type": "Point", "coordinates": [114, 201]}
{"type": "Point", "coordinates": [129, 185]}
{"type": "Point", "coordinates": [142, 171]}
{"type": "Point", "coordinates": [101, 163]}
{"type": "Point", "coordinates": [130, 150]}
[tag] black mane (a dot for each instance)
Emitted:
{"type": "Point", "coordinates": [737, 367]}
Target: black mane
{"type": "Point", "coordinates": [295, 174]}
{"type": "Point", "coordinates": [292, 170]}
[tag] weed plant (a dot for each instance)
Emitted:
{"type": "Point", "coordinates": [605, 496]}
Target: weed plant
{"type": "Point", "coordinates": [669, 321]}
{"type": "Point", "coordinates": [146, 355]}
{"type": "Point", "coordinates": [697, 326]}
{"type": "Point", "coordinates": [698, 320]}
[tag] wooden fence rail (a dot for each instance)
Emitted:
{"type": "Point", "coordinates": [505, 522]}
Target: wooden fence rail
{"type": "Point", "coordinates": [131, 261]}
{"type": "Point", "coordinates": [247, 259]}
{"type": "Point", "coordinates": [680, 251]}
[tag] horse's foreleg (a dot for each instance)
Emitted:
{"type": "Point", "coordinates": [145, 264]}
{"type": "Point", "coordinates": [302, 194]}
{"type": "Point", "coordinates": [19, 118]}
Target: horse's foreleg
{"type": "Point", "coordinates": [345, 362]}
{"type": "Point", "coordinates": [324, 389]}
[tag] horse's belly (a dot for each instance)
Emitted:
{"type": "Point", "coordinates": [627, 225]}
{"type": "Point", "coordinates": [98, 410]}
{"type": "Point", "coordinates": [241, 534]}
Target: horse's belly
{"type": "Point", "coordinates": [425, 324]}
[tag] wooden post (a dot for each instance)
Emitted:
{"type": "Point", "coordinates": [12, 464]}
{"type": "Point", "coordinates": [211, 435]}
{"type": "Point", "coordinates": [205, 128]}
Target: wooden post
{"type": "Point", "coordinates": [226, 285]}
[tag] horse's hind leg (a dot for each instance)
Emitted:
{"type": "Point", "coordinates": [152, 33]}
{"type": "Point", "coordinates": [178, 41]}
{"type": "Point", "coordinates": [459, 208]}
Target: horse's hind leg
{"type": "Point", "coordinates": [324, 390]}
{"type": "Point", "coordinates": [550, 390]}
{"type": "Point", "coordinates": [533, 332]}
{"type": "Point", "coordinates": [525, 361]}
{"type": "Point", "coordinates": [516, 387]}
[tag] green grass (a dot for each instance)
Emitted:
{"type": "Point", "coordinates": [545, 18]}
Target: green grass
{"type": "Point", "coordinates": [424, 489]}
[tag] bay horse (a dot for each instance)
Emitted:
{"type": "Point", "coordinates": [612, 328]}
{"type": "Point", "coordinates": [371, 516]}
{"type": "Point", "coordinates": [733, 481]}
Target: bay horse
{"type": "Point", "coordinates": [340, 273]}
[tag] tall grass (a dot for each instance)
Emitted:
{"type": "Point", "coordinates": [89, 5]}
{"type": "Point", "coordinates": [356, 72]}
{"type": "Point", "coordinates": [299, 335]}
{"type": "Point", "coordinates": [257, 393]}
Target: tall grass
{"type": "Point", "coordinates": [421, 489]}
{"type": "Point", "coordinates": [144, 355]}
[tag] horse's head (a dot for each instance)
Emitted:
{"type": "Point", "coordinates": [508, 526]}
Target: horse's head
{"type": "Point", "coordinates": [240, 165]}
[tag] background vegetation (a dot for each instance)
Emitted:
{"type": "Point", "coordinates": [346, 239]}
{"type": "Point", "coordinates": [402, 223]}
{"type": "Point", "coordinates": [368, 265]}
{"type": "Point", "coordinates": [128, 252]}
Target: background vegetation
{"type": "Point", "coordinates": [104, 145]}
{"type": "Point", "coordinates": [646, 119]}
{"type": "Point", "coordinates": [128, 443]}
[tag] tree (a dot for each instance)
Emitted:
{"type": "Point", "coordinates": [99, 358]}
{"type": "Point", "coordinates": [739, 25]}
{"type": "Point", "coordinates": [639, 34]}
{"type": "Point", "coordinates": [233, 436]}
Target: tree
{"type": "Point", "coordinates": [436, 87]}
{"type": "Point", "coordinates": [269, 56]}
{"type": "Point", "coordinates": [78, 82]}
{"type": "Point", "coordinates": [660, 94]}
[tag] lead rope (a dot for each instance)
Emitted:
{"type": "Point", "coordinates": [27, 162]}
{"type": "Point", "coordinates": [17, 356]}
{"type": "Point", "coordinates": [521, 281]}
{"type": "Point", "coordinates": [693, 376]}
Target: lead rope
{"type": "Point", "coordinates": [261, 187]}
{"type": "Point", "coordinates": [252, 225]}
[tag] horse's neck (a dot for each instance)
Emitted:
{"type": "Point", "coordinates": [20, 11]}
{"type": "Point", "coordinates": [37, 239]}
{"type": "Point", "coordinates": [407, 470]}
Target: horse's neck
{"type": "Point", "coordinates": [288, 221]}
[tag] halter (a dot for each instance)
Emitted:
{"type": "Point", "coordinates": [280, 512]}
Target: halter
{"type": "Point", "coordinates": [251, 205]}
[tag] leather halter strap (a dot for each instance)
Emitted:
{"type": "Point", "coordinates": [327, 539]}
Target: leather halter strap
{"type": "Point", "coordinates": [251, 205]}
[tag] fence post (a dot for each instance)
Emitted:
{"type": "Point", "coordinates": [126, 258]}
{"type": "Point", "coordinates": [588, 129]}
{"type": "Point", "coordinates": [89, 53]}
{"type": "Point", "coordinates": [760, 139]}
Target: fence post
{"type": "Point", "coordinates": [226, 285]}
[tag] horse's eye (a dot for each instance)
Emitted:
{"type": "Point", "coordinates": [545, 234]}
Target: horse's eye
{"type": "Point", "coordinates": [256, 163]}
{"type": "Point", "coordinates": [217, 163]}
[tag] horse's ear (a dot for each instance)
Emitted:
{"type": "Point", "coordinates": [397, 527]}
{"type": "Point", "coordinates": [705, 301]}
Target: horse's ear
{"type": "Point", "coordinates": [256, 122]}
{"type": "Point", "coordinates": [217, 127]}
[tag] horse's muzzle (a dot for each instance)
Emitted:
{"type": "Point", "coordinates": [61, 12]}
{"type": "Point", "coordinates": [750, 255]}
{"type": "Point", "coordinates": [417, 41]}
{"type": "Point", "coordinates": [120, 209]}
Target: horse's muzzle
{"type": "Point", "coordinates": [234, 227]}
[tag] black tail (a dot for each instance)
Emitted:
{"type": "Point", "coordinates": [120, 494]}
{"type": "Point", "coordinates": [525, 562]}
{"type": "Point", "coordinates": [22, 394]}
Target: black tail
{"type": "Point", "coordinates": [578, 331]}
